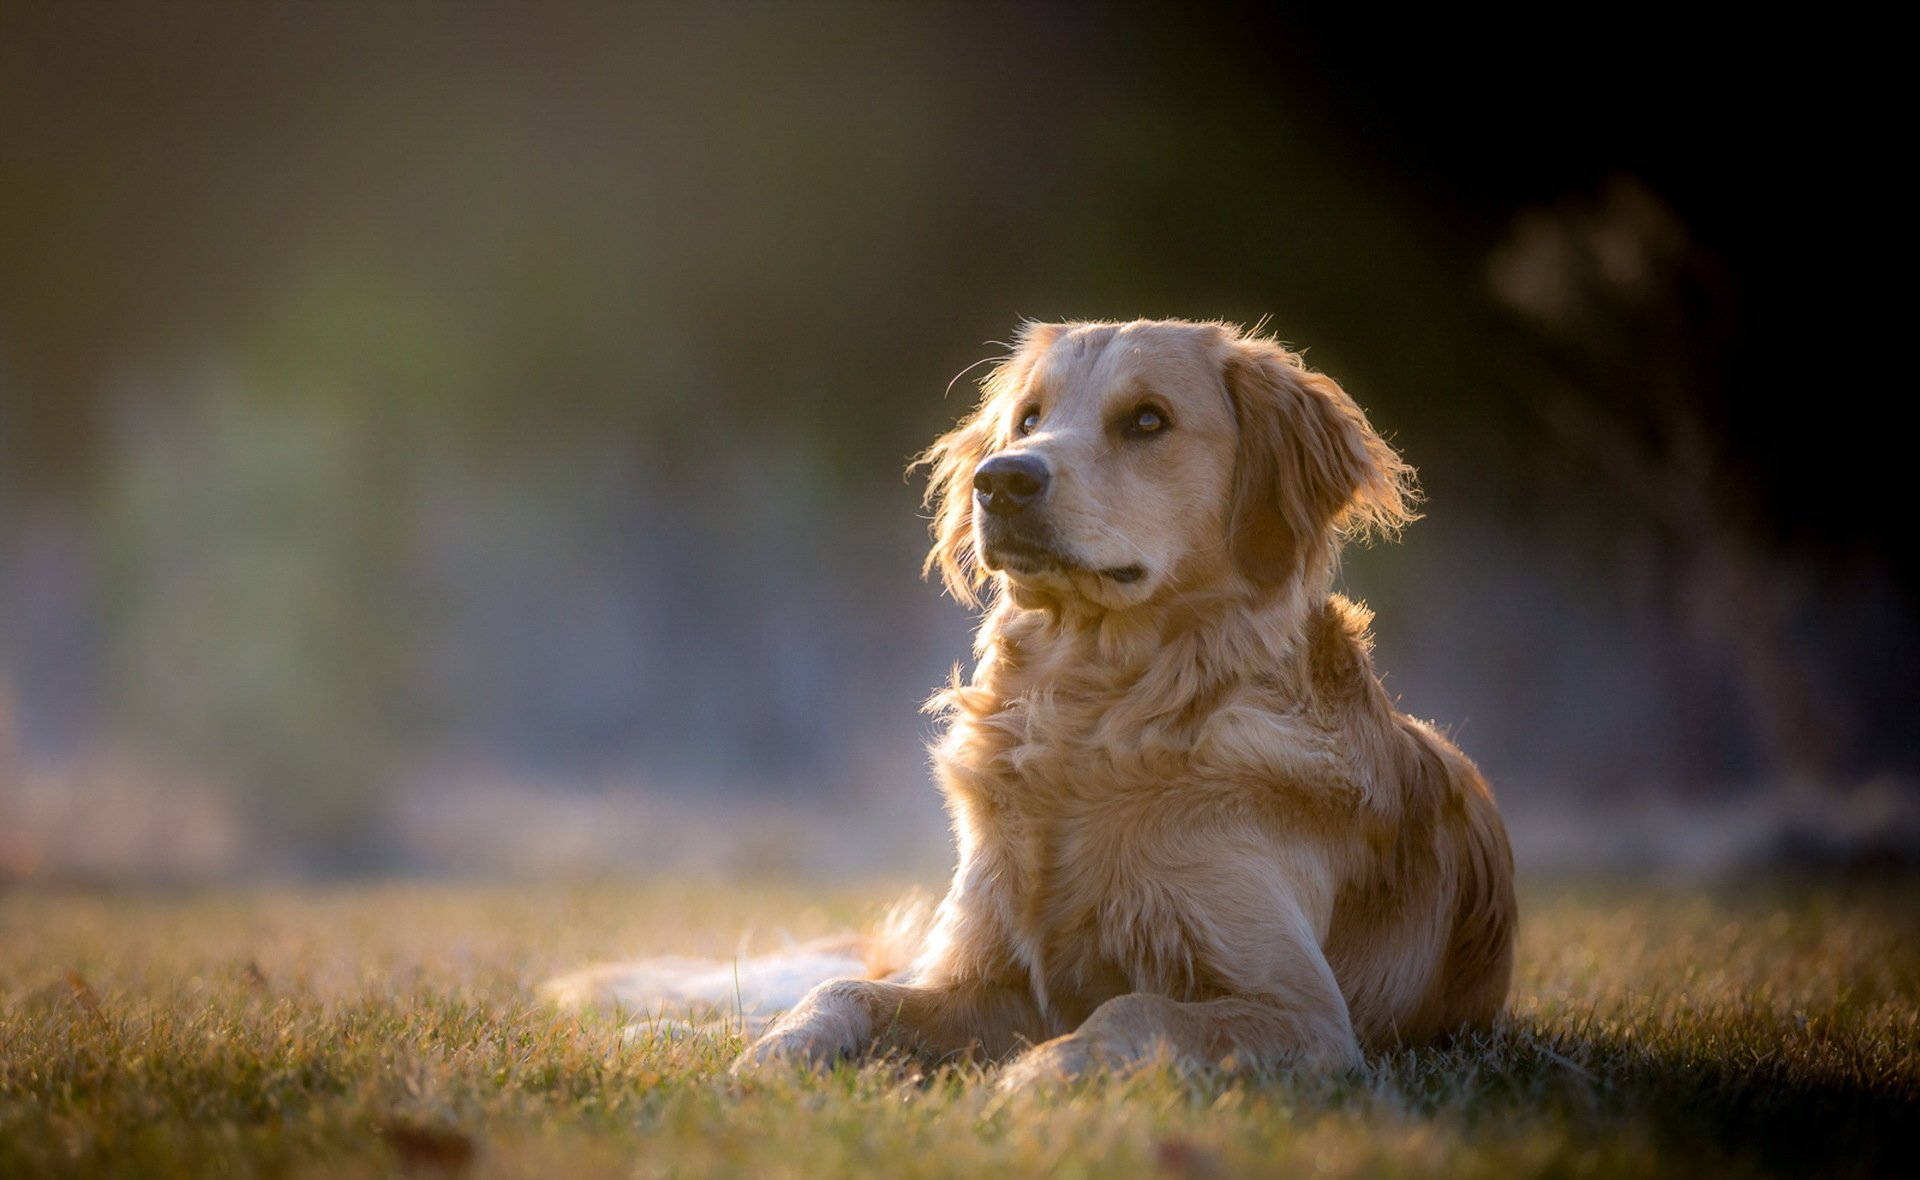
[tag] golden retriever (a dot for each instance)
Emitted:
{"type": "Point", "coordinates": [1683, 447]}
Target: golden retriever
{"type": "Point", "coordinates": [1191, 826]}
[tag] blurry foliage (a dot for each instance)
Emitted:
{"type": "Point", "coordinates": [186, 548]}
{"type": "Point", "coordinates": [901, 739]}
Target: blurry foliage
{"type": "Point", "coordinates": [1641, 324]}
{"type": "Point", "coordinates": [662, 221]}
{"type": "Point", "coordinates": [532, 382]}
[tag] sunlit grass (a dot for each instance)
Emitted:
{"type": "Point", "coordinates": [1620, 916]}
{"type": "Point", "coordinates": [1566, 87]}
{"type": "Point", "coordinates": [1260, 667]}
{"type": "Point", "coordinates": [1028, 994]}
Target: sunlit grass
{"type": "Point", "coordinates": [375, 1030]}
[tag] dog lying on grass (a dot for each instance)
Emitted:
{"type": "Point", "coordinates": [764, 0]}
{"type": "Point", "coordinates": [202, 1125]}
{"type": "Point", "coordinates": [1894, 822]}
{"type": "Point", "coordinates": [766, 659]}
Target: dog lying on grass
{"type": "Point", "coordinates": [1190, 824]}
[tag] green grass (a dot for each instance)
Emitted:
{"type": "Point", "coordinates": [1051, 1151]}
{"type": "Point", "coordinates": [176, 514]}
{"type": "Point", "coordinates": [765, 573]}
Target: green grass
{"type": "Point", "coordinates": [388, 1030]}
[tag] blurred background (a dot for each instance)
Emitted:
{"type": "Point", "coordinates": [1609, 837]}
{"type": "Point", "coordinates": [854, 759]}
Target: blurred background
{"type": "Point", "coordinates": [470, 438]}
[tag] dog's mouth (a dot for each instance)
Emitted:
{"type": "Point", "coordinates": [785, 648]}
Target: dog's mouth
{"type": "Point", "coordinates": [1016, 555]}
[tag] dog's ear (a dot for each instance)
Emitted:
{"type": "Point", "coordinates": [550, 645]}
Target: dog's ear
{"type": "Point", "coordinates": [952, 459]}
{"type": "Point", "coordinates": [1310, 470]}
{"type": "Point", "coordinates": [950, 463]}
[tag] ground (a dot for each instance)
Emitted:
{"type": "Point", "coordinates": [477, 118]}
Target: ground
{"type": "Point", "coordinates": [1764, 1027]}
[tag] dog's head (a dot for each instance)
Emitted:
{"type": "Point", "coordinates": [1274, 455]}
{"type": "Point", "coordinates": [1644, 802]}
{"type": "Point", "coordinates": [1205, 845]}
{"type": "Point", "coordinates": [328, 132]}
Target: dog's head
{"type": "Point", "coordinates": [1108, 463]}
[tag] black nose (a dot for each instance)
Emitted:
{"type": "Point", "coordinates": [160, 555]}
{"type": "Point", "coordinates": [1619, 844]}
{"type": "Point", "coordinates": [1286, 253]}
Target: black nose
{"type": "Point", "coordinates": [1006, 484]}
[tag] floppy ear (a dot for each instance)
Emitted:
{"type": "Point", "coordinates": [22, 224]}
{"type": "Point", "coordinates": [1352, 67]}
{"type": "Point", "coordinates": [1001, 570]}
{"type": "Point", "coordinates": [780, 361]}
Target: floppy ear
{"type": "Point", "coordinates": [1310, 470]}
{"type": "Point", "coordinates": [951, 461]}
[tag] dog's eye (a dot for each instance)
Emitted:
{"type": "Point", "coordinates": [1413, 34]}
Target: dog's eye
{"type": "Point", "coordinates": [1146, 420]}
{"type": "Point", "coordinates": [1029, 421]}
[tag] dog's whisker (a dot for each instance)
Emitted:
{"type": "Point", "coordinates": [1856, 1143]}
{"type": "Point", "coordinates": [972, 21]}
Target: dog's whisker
{"type": "Point", "coordinates": [985, 360]}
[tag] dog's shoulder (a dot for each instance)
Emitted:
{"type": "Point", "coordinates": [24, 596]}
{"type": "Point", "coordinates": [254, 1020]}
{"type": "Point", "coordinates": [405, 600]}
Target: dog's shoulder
{"type": "Point", "coordinates": [1418, 767]}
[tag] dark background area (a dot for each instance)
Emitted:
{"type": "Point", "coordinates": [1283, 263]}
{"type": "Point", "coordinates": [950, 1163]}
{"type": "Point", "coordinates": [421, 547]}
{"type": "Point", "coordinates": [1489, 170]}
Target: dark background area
{"type": "Point", "coordinates": [470, 437]}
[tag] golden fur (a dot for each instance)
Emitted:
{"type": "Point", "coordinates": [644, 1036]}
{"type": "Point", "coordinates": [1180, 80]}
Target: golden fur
{"type": "Point", "coordinates": [1190, 824]}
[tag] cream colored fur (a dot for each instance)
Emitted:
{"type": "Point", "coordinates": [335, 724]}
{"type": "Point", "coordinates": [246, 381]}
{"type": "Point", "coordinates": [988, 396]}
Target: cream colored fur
{"type": "Point", "coordinates": [1190, 824]}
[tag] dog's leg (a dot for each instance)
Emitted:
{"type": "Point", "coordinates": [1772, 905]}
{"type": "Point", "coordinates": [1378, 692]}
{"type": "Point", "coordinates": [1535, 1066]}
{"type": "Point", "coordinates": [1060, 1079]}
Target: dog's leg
{"type": "Point", "coordinates": [1296, 1016]}
{"type": "Point", "coordinates": [1235, 1032]}
{"type": "Point", "coordinates": [847, 1017]}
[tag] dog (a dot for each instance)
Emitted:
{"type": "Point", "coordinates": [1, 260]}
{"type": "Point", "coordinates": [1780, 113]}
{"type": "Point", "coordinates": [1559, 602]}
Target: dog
{"type": "Point", "coordinates": [1191, 826]}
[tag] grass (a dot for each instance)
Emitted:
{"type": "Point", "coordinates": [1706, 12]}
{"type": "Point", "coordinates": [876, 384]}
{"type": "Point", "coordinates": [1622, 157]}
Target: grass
{"type": "Point", "coordinates": [392, 1030]}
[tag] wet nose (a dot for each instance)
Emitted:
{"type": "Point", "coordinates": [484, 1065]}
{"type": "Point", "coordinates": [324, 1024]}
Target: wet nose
{"type": "Point", "coordinates": [1006, 484]}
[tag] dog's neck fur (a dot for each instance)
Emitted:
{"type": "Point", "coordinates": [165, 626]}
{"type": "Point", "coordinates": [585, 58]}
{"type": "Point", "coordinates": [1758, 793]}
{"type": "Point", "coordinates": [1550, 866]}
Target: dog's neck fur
{"type": "Point", "coordinates": [1161, 663]}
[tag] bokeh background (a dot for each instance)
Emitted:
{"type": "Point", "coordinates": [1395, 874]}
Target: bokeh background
{"type": "Point", "coordinates": [470, 438]}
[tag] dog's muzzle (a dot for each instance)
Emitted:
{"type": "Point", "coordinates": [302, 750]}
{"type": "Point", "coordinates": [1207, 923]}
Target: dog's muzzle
{"type": "Point", "coordinates": [1010, 492]}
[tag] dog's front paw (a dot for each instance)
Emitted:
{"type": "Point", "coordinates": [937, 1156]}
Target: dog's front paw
{"type": "Point", "coordinates": [795, 1047]}
{"type": "Point", "coordinates": [827, 1026]}
{"type": "Point", "coordinates": [1054, 1063]}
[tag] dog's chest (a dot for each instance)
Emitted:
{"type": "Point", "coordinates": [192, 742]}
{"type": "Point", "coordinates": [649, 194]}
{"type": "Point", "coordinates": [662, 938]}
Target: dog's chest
{"type": "Point", "coordinates": [1091, 921]}
{"type": "Point", "coordinates": [1088, 900]}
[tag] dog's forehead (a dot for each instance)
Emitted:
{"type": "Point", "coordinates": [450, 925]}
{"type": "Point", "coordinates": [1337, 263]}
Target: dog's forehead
{"type": "Point", "coordinates": [1103, 360]}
